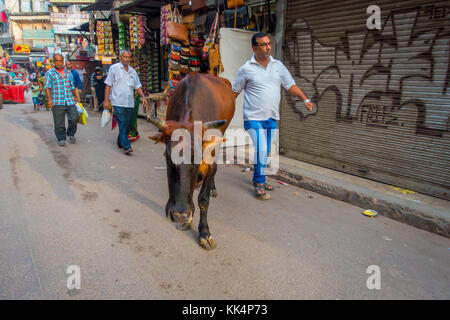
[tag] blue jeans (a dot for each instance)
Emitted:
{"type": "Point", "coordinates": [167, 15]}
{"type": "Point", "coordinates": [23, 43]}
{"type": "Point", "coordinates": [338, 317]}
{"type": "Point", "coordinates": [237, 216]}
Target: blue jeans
{"type": "Point", "coordinates": [261, 134]}
{"type": "Point", "coordinates": [123, 116]}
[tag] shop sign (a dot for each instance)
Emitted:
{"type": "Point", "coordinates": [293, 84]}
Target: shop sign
{"type": "Point", "coordinates": [38, 34]}
{"type": "Point", "coordinates": [68, 18]}
{"type": "Point", "coordinates": [21, 48]}
{"type": "Point", "coordinates": [106, 60]}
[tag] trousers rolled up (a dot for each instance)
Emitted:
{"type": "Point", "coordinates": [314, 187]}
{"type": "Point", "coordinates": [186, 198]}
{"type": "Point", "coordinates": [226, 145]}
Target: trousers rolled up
{"type": "Point", "coordinates": [124, 116]}
{"type": "Point", "coordinates": [59, 119]}
{"type": "Point", "coordinates": [261, 133]}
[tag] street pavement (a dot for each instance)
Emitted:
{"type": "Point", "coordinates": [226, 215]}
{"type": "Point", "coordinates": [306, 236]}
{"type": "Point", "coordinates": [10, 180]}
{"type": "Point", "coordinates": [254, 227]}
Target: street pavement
{"type": "Point", "coordinates": [91, 206]}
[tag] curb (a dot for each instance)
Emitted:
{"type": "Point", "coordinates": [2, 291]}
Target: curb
{"type": "Point", "coordinates": [418, 217]}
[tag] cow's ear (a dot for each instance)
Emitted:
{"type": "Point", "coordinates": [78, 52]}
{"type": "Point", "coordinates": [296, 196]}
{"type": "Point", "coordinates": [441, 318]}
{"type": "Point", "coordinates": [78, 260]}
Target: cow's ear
{"type": "Point", "coordinates": [159, 137]}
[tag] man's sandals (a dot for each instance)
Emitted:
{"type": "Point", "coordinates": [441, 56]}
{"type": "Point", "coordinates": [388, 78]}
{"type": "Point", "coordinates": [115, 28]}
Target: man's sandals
{"type": "Point", "coordinates": [260, 190]}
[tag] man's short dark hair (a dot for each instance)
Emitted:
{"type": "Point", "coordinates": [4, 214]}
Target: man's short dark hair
{"type": "Point", "coordinates": [256, 36]}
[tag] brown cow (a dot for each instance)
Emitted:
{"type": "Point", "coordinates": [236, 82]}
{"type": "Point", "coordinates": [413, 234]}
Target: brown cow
{"type": "Point", "coordinates": [198, 97]}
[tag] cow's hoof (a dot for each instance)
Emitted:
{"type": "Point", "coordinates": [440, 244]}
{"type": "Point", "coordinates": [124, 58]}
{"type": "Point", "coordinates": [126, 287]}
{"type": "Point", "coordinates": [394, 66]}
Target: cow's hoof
{"type": "Point", "coordinates": [213, 193]}
{"type": "Point", "coordinates": [207, 243]}
{"type": "Point", "coordinates": [183, 226]}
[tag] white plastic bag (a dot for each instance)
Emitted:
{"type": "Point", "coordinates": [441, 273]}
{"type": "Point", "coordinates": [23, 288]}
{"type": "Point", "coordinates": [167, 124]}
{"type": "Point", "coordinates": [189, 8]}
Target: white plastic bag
{"type": "Point", "coordinates": [81, 109]}
{"type": "Point", "coordinates": [106, 117]}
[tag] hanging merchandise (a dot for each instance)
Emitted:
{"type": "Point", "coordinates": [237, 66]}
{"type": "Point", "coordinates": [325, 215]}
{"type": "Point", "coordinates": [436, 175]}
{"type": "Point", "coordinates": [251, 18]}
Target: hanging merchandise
{"type": "Point", "coordinates": [166, 16]}
{"type": "Point", "coordinates": [137, 38]}
{"type": "Point", "coordinates": [146, 63]}
{"type": "Point", "coordinates": [176, 29]}
{"type": "Point", "coordinates": [91, 27]}
{"type": "Point", "coordinates": [211, 38]}
{"type": "Point", "coordinates": [121, 43]}
{"type": "Point", "coordinates": [100, 31]}
{"type": "Point", "coordinates": [104, 38]}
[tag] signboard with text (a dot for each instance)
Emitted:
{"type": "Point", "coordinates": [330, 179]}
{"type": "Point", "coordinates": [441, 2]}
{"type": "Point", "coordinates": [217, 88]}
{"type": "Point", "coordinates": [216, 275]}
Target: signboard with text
{"type": "Point", "coordinates": [21, 48]}
{"type": "Point", "coordinates": [68, 18]}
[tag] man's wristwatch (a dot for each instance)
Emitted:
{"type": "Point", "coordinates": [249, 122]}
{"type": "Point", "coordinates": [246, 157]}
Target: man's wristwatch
{"type": "Point", "coordinates": [307, 100]}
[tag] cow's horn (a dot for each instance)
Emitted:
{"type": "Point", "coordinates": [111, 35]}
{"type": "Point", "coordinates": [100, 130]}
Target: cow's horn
{"type": "Point", "coordinates": [214, 124]}
{"type": "Point", "coordinates": [159, 123]}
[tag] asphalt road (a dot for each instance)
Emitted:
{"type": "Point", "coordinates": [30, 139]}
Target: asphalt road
{"type": "Point", "coordinates": [91, 206]}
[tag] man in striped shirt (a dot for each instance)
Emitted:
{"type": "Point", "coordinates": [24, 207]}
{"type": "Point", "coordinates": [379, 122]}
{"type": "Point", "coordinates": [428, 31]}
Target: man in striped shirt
{"type": "Point", "coordinates": [62, 96]}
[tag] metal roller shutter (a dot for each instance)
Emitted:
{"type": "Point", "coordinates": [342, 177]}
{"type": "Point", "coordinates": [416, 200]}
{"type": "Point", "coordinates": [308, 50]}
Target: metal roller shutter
{"type": "Point", "coordinates": [382, 96]}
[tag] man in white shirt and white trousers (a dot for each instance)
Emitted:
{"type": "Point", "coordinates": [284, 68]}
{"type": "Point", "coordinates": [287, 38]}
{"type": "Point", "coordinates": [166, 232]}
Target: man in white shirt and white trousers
{"type": "Point", "coordinates": [121, 82]}
{"type": "Point", "coordinates": [261, 78]}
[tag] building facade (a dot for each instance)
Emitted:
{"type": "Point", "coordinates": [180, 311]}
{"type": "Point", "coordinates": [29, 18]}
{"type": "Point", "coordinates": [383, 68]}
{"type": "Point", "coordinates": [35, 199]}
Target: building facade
{"type": "Point", "coordinates": [382, 90]}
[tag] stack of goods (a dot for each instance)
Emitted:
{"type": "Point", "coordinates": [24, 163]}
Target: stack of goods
{"type": "Point", "coordinates": [104, 38]}
{"type": "Point", "coordinates": [195, 51]}
{"type": "Point", "coordinates": [137, 38]}
{"type": "Point", "coordinates": [175, 66]}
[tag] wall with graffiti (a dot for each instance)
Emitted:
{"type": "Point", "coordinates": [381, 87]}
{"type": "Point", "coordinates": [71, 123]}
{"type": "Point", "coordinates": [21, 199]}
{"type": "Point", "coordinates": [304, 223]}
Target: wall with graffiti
{"type": "Point", "coordinates": [382, 96]}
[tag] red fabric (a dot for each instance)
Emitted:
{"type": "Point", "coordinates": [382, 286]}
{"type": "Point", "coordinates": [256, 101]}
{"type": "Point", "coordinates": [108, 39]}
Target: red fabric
{"type": "Point", "coordinates": [13, 93]}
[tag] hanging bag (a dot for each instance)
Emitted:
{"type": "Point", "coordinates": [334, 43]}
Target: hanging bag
{"type": "Point", "coordinates": [234, 3]}
{"type": "Point", "coordinates": [268, 20]}
{"type": "Point", "coordinates": [211, 38]}
{"type": "Point", "coordinates": [176, 29]}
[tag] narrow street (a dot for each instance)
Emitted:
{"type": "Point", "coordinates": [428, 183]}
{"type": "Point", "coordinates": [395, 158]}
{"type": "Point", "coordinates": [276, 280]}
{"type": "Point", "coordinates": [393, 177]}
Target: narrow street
{"type": "Point", "coordinates": [91, 206]}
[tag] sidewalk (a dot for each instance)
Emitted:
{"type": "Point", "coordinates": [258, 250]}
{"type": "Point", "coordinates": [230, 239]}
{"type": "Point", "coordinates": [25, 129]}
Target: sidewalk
{"type": "Point", "coordinates": [416, 209]}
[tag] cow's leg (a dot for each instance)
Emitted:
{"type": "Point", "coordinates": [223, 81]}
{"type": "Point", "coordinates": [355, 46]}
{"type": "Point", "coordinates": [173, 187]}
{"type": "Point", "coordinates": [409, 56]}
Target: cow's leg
{"type": "Point", "coordinates": [205, 238]}
{"type": "Point", "coordinates": [213, 192]}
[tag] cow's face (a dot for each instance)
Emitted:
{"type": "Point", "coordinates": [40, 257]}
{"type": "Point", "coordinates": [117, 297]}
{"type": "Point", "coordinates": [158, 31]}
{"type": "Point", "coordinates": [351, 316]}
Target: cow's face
{"type": "Point", "coordinates": [182, 179]}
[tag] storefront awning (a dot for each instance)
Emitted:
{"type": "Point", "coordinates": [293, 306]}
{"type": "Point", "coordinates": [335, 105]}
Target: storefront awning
{"type": "Point", "coordinates": [20, 59]}
{"type": "Point", "coordinates": [101, 5]}
{"type": "Point", "coordinates": [82, 27]}
{"type": "Point", "coordinates": [146, 7]}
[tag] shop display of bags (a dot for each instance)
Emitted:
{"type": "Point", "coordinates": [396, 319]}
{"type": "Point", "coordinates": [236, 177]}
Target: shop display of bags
{"type": "Point", "coordinates": [176, 29]}
{"type": "Point", "coordinates": [212, 4]}
{"type": "Point", "coordinates": [234, 3]}
{"type": "Point", "coordinates": [268, 20]}
{"type": "Point", "coordinates": [198, 4]}
{"type": "Point", "coordinates": [211, 38]}
{"type": "Point", "coordinates": [237, 17]}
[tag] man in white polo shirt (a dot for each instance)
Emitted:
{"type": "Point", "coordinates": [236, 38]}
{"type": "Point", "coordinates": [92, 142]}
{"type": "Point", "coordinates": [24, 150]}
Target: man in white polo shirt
{"type": "Point", "coordinates": [261, 78]}
{"type": "Point", "coordinates": [121, 82]}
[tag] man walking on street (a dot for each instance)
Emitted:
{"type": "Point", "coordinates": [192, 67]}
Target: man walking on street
{"type": "Point", "coordinates": [92, 82]}
{"type": "Point", "coordinates": [62, 96]}
{"type": "Point", "coordinates": [121, 82]}
{"type": "Point", "coordinates": [76, 77]}
{"type": "Point", "coordinates": [261, 78]}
